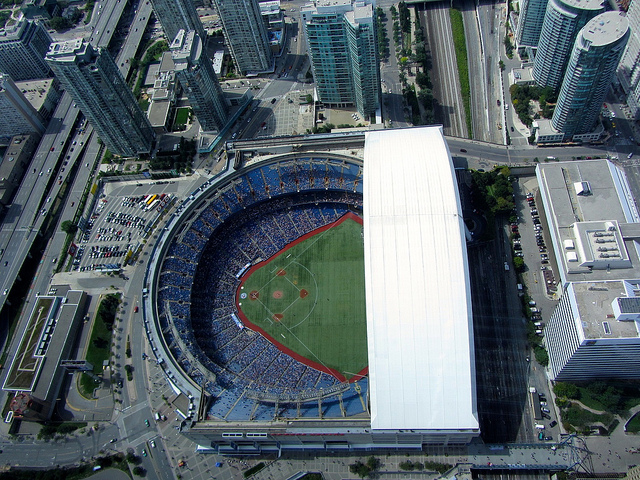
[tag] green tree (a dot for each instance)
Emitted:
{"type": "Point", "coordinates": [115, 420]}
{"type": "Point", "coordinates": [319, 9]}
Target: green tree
{"type": "Point", "coordinates": [518, 264]}
{"type": "Point", "coordinates": [68, 227]}
{"type": "Point", "coordinates": [59, 23]}
{"type": "Point", "coordinates": [567, 390]}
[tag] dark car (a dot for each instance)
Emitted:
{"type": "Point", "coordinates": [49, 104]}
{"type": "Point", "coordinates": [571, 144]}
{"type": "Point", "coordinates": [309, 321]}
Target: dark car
{"type": "Point", "coordinates": [546, 415]}
{"type": "Point", "coordinates": [553, 424]}
{"type": "Point", "coordinates": [463, 150]}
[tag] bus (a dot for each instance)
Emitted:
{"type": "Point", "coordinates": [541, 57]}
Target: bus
{"type": "Point", "coordinates": [151, 199]}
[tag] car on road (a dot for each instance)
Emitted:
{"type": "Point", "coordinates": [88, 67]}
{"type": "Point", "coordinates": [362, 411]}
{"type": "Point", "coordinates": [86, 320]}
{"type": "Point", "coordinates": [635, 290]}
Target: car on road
{"type": "Point", "coordinates": [135, 310]}
{"type": "Point", "coordinates": [146, 422]}
{"type": "Point", "coordinates": [630, 155]}
{"type": "Point", "coordinates": [152, 443]}
{"type": "Point", "coordinates": [144, 452]}
{"type": "Point", "coordinates": [6, 290]}
{"type": "Point", "coordinates": [113, 440]}
{"type": "Point", "coordinates": [463, 150]}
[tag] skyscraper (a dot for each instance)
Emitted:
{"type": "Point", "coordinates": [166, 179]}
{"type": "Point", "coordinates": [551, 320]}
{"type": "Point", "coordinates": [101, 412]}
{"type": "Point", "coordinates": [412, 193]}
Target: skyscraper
{"type": "Point", "coordinates": [246, 35]}
{"type": "Point", "coordinates": [342, 48]}
{"type": "Point", "coordinates": [530, 22]}
{"type": "Point", "coordinates": [198, 80]}
{"type": "Point", "coordinates": [94, 82]}
{"type": "Point", "coordinates": [18, 115]}
{"type": "Point", "coordinates": [22, 51]}
{"type": "Point", "coordinates": [562, 22]}
{"type": "Point", "coordinates": [591, 68]}
{"type": "Point", "coordinates": [629, 68]}
{"type": "Point", "coordinates": [176, 15]}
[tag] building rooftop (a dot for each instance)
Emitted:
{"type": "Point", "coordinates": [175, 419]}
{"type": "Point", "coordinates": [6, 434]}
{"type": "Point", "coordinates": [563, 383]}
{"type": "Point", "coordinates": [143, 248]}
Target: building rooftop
{"type": "Point", "coordinates": [592, 218]}
{"type": "Point", "coordinates": [68, 48]}
{"type": "Point", "coordinates": [158, 112]}
{"type": "Point", "coordinates": [606, 28]}
{"type": "Point", "coordinates": [583, 4]}
{"type": "Point", "coordinates": [594, 302]}
{"type": "Point", "coordinates": [418, 302]}
{"type": "Point", "coordinates": [36, 91]}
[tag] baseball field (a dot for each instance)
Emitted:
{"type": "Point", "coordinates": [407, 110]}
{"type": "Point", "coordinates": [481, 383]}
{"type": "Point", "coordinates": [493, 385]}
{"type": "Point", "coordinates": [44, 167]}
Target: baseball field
{"type": "Point", "coordinates": [309, 298]}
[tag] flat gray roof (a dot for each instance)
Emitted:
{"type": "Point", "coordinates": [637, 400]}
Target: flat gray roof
{"type": "Point", "coordinates": [593, 301]}
{"type": "Point", "coordinates": [588, 229]}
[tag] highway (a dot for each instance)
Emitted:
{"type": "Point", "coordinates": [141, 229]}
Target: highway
{"type": "Point", "coordinates": [134, 37]}
{"type": "Point", "coordinates": [444, 73]}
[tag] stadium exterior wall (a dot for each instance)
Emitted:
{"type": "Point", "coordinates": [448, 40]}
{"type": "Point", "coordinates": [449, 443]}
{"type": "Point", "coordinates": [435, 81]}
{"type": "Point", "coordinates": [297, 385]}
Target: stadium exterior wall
{"type": "Point", "coordinates": [299, 435]}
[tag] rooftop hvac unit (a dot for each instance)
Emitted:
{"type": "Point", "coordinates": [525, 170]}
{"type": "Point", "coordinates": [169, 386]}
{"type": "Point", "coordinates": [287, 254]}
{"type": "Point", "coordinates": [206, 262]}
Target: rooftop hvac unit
{"type": "Point", "coordinates": [568, 244]}
{"type": "Point", "coordinates": [572, 257]}
{"type": "Point", "coordinates": [582, 188]}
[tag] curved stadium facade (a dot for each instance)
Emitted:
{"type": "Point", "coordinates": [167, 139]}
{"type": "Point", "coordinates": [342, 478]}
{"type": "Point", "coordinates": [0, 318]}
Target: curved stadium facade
{"type": "Point", "coordinates": [249, 394]}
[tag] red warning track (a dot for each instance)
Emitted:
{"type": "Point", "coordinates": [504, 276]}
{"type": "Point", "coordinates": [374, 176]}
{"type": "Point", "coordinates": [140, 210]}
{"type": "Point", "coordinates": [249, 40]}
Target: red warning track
{"type": "Point", "coordinates": [279, 346]}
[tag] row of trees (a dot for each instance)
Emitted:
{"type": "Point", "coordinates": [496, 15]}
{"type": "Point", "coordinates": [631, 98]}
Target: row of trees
{"type": "Point", "coordinates": [381, 32]}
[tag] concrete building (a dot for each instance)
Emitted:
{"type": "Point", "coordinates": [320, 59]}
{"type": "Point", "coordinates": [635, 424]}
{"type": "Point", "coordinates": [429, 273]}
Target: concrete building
{"type": "Point", "coordinates": [195, 74]}
{"type": "Point", "coordinates": [594, 228]}
{"type": "Point", "coordinates": [94, 82]}
{"type": "Point", "coordinates": [15, 163]}
{"type": "Point", "coordinates": [589, 74]}
{"type": "Point", "coordinates": [562, 22]}
{"type": "Point", "coordinates": [22, 50]}
{"type": "Point", "coordinates": [341, 42]}
{"type": "Point", "coordinates": [273, 17]}
{"type": "Point", "coordinates": [176, 15]}
{"type": "Point", "coordinates": [18, 115]}
{"type": "Point", "coordinates": [530, 22]}
{"type": "Point", "coordinates": [164, 94]}
{"type": "Point", "coordinates": [629, 68]}
{"type": "Point", "coordinates": [246, 36]}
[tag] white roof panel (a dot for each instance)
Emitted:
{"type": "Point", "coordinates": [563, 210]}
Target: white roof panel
{"type": "Point", "coordinates": [419, 323]}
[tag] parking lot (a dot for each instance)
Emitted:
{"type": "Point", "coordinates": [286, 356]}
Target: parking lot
{"type": "Point", "coordinates": [124, 215]}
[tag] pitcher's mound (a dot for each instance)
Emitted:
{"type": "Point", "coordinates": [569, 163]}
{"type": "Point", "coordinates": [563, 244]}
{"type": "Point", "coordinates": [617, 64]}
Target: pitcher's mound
{"type": "Point", "coordinates": [278, 294]}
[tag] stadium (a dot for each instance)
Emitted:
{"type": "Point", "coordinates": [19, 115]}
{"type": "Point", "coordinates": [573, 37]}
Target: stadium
{"type": "Point", "coordinates": [320, 301]}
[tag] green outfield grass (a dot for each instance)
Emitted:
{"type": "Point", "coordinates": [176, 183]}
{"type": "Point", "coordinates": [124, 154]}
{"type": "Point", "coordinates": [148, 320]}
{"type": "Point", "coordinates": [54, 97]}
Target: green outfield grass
{"type": "Point", "coordinates": [310, 298]}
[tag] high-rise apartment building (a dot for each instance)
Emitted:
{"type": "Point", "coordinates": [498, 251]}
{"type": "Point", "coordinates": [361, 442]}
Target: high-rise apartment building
{"type": "Point", "coordinates": [22, 50]}
{"type": "Point", "coordinates": [341, 38]}
{"type": "Point", "coordinates": [198, 80]}
{"type": "Point", "coordinates": [94, 82]}
{"type": "Point", "coordinates": [176, 15]}
{"type": "Point", "coordinates": [562, 22]}
{"type": "Point", "coordinates": [530, 22]}
{"type": "Point", "coordinates": [588, 77]}
{"type": "Point", "coordinates": [629, 68]}
{"type": "Point", "coordinates": [18, 115]}
{"type": "Point", "coordinates": [246, 35]}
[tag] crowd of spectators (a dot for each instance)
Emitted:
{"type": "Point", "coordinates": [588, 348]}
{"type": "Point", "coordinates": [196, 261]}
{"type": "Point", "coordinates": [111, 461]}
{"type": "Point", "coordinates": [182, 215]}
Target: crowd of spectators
{"type": "Point", "coordinates": [249, 219]}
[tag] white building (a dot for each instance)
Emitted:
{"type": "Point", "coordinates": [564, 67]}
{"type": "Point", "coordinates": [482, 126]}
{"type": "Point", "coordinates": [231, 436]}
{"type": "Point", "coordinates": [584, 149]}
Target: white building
{"type": "Point", "coordinates": [594, 227]}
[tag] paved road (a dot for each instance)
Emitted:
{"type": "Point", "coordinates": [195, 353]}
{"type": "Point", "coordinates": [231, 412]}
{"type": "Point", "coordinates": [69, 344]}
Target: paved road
{"type": "Point", "coordinates": [444, 74]}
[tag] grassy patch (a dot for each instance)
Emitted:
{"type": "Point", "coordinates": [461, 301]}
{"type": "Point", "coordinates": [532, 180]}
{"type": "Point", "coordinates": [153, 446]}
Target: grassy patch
{"type": "Point", "coordinates": [100, 341]}
{"type": "Point", "coordinates": [582, 419]}
{"type": "Point", "coordinates": [144, 104]}
{"type": "Point", "coordinates": [460, 43]}
{"type": "Point", "coordinates": [182, 116]}
{"type": "Point", "coordinates": [634, 424]}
